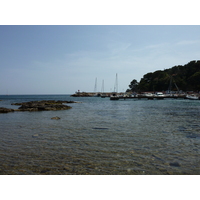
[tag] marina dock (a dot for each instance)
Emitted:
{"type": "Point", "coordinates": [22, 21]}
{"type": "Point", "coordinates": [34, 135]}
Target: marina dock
{"type": "Point", "coordinates": [152, 98]}
{"type": "Point", "coordinates": [122, 96]}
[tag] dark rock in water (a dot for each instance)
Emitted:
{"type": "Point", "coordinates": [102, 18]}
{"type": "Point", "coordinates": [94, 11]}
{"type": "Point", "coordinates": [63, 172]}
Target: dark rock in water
{"type": "Point", "coordinates": [39, 106]}
{"type": "Point", "coordinates": [174, 164]}
{"type": "Point", "coordinates": [44, 171]}
{"type": "Point", "coordinates": [55, 117]}
{"type": "Point", "coordinates": [16, 104]}
{"type": "Point", "coordinates": [35, 136]}
{"type": "Point", "coordinates": [43, 102]}
{"type": "Point", "coordinates": [6, 110]}
{"type": "Point", "coordinates": [42, 105]}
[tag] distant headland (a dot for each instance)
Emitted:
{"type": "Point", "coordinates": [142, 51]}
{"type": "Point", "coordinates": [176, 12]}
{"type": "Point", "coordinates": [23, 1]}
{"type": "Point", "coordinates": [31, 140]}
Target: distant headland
{"type": "Point", "coordinates": [178, 78]}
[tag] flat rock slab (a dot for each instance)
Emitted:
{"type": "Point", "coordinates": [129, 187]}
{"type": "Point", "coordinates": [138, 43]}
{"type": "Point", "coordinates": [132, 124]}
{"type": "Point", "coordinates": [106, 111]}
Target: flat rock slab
{"type": "Point", "coordinates": [43, 102]}
{"type": "Point", "coordinates": [43, 105]}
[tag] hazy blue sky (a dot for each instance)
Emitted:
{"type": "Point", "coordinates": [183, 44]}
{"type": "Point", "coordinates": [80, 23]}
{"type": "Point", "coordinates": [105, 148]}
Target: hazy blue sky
{"type": "Point", "coordinates": [64, 59]}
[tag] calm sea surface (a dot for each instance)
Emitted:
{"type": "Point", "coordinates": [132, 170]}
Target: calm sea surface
{"type": "Point", "coordinates": [99, 136]}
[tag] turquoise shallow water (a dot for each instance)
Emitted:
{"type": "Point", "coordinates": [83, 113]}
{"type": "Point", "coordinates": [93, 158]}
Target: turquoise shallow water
{"type": "Point", "coordinates": [99, 136]}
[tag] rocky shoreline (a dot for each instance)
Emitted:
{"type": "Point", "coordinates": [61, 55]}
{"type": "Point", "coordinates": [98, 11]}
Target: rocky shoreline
{"type": "Point", "coordinates": [44, 105]}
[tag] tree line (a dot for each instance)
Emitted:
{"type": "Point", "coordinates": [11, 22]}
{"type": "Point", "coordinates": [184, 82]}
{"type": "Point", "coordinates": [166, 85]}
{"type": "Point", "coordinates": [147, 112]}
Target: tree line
{"type": "Point", "coordinates": [181, 78]}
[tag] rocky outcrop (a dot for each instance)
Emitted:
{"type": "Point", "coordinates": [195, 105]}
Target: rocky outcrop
{"type": "Point", "coordinates": [44, 102]}
{"type": "Point", "coordinates": [42, 105]}
{"type": "Point", "coordinates": [6, 110]}
{"type": "Point", "coordinates": [39, 106]}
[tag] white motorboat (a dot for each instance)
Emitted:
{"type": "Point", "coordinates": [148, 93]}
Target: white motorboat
{"type": "Point", "coordinates": [148, 95]}
{"type": "Point", "coordinates": [192, 97]}
{"type": "Point", "coordinates": [159, 95]}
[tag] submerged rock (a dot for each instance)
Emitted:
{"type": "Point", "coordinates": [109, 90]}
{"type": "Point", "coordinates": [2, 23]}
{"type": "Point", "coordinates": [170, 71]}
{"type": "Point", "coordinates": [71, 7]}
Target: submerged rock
{"type": "Point", "coordinates": [55, 118]}
{"type": "Point", "coordinates": [174, 164]}
{"type": "Point", "coordinates": [35, 136]}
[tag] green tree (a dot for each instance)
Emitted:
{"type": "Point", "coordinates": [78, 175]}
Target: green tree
{"type": "Point", "coordinates": [133, 85]}
{"type": "Point", "coordinates": [194, 81]}
{"type": "Point", "coordinates": [186, 77]}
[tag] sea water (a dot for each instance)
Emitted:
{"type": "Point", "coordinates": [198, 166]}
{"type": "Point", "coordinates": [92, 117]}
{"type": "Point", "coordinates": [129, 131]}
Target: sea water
{"type": "Point", "coordinates": [99, 136]}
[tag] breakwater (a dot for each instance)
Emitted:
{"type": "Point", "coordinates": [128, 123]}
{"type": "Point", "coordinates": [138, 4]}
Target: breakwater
{"type": "Point", "coordinates": [93, 94]}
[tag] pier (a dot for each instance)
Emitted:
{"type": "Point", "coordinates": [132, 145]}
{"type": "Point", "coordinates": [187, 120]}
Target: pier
{"type": "Point", "coordinates": [122, 96]}
{"type": "Point", "coordinates": [153, 97]}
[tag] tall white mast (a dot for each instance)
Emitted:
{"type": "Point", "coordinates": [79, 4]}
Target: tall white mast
{"type": "Point", "coordinates": [116, 85]}
{"type": "Point", "coordinates": [95, 86]}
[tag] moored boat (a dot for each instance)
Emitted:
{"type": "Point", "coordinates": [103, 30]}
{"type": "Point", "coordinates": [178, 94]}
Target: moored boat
{"type": "Point", "coordinates": [192, 97]}
{"type": "Point", "coordinates": [104, 95]}
{"type": "Point", "coordinates": [114, 96]}
{"type": "Point", "coordinates": [159, 95]}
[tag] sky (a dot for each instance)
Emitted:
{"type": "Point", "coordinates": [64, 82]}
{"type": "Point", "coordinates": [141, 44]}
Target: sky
{"type": "Point", "coordinates": [62, 59]}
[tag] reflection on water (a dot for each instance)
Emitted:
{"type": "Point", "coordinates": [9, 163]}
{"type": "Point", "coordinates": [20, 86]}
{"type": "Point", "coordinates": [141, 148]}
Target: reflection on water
{"type": "Point", "coordinates": [100, 136]}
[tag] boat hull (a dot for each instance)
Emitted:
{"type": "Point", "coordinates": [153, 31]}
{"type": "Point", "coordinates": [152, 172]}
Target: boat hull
{"type": "Point", "coordinates": [192, 97]}
{"type": "Point", "coordinates": [114, 98]}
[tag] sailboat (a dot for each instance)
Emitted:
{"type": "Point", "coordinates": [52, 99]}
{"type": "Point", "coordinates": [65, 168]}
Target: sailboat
{"type": "Point", "coordinates": [103, 95]}
{"type": "Point", "coordinates": [170, 86]}
{"type": "Point", "coordinates": [114, 95]}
